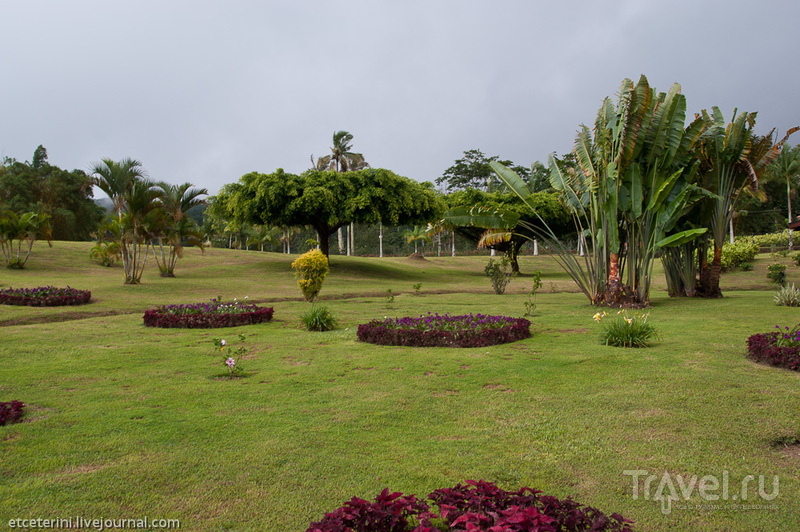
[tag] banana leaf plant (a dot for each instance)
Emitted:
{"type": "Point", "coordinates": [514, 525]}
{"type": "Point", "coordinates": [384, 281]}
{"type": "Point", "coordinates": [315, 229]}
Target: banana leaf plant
{"type": "Point", "coordinates": [633, 184]}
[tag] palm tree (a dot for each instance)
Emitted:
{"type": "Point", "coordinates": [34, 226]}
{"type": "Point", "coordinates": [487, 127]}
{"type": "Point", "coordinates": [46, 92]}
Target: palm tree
{"type": "Point", "coordinates": [114, 178]}
{"type": "Point", "coordinates": [176, 226]}
{"type": "Point", "coordinates": [138, 224]}
{"type": "Point", "coordinates": [341, 159]}
{"type": "Point", "coordinates": [787, 166]}
{"type": "Point", "coordinates": [418, 234]}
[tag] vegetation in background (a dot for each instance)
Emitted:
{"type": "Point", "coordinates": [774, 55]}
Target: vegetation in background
{"type": "Point", "coordinates": [25, 228]}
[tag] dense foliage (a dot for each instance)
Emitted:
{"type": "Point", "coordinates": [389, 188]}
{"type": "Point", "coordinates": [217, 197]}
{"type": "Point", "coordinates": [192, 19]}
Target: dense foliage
{"type": "Point", "coordinates": [433, 330]}
{"type": "Point", "coordinates": [207, 315]}
{"type": "Point", "coordinates": [11, 412]}
{"type": "Point", "coordinates": [44, 296]}
{"type": "Point", "coordinates": [38, 186]}
{"type": "Point", "coordinates": [311, 268]}
{"type": "Point", "coordinates": [477, 506]}
{"type": "Point", "coordinates": [780, 348]}
{"type": "Point", "coordinates": [318, 318]}
{"type": "Point", "coordinates": [328, 200]}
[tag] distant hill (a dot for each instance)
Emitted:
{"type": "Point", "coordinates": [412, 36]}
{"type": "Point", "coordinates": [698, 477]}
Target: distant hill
{"type": "Point", "coordinates": [105, 203]}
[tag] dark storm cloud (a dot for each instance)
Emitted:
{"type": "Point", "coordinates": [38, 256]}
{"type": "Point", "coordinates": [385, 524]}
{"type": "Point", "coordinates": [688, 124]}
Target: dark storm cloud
{"type": "Point", "coordinates": [206, 91]}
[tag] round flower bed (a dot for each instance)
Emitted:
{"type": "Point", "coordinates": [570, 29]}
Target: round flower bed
{"type": "Point", "coordinates": [207, 315]}
{"type": "Point", "coordinates": [44, 296]}
{"type": "Point", "coordinates": [780, 349]}
{"type": "Point", "coordinates": [434, 330]}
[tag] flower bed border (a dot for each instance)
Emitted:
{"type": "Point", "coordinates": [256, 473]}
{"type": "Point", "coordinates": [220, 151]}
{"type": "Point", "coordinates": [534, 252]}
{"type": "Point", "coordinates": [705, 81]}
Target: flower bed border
{"type": "Point", "coordinates": [157, 318]}
{"type": "Point", "coordinates": [762, 348]}
{"type": "Point", "coordinates": [9, 296]}
{"type": "Point", "coordinates": [376, 333]}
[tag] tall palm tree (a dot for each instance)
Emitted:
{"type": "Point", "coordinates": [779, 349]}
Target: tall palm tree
{"type": "Point", "coordinates": [787, 166]}
{"type": "Point", "coordinates": [115, 178]}
{"type": "Point", "coordinates": [138, 223]}
{"type": "Point", "coordinates": [342, 158]}
{"type": "Point", "coordinates": [176, 226]}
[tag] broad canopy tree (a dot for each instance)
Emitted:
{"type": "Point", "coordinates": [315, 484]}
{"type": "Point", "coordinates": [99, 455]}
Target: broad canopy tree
{"type": "Point", "coordinates": [474, 170]}
{"type": "Point", "coordinates": [327, 200]}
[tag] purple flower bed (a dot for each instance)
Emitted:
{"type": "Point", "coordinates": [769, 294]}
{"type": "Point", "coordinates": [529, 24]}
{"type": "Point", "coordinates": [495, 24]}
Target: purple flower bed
{"type": "Point", "coordinates": [11, 412]}
{"type": "Point", "coordinates": [207, 315]}
{"type": "Point", "coordinates": [434, 330]}
{"type": "Point", "coordinates": [767, 348]}
{"type": "Point", "coordinates": [477, 506]}
{"type": "Point", "coordinates": [44, 296]}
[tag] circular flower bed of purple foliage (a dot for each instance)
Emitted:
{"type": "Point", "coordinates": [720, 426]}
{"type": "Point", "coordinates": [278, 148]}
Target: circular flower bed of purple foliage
{"type": "Point", "coordinates": [433, 330]}
{"type": "Point", "coordinates": [781, 349]}
{"type": "Point", "coordinates": [44, 296]}
{"type": "Point", "coordinates": [207, 315]}
{"type": "Point", "coordinates": [479, 506]}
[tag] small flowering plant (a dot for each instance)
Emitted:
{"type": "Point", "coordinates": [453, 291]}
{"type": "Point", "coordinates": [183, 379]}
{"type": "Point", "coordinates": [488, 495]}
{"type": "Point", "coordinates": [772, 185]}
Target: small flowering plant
{"type": "Point", "coordinates": [44, 296]}
{"type": "Point", "coordinates": [228, 354]}
{"type": "Point", "coordinates": [435, 330]}
{"type": "Point", "coordinates": [787, 337]}
{"type": "Point", "coordinates": [623, 330]}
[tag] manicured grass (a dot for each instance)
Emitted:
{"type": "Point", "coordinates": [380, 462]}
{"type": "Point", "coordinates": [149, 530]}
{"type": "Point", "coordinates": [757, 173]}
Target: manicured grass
{"type": "Point", "coordinates": [125, 422]}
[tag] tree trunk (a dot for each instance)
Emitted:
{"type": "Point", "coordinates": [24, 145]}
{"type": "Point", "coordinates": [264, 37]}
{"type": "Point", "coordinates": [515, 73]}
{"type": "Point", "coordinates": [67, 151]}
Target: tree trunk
{"type": "Point", "coordinates": [613, 294]}
{"type": "Point", "coordinates": [708, 285]}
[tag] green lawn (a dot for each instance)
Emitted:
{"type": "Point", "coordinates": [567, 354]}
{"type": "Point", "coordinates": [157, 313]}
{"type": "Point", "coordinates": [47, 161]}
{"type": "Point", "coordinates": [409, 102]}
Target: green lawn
{"type": "Point", "coordinates": [126, 422]}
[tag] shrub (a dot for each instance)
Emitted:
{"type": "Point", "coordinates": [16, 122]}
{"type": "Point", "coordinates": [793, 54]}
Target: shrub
{"type": "Point", "coordinates": [391, 512]}
{"type": "Point", "coordinates": [311, 268]}
{"type": "Point", "coordinates": [624, 331]}
{"type": "Point", "coordinates": [796, 259]}
{"type": "Point", "coordinates": [777, 273]}
{"type": "Point", "coordinates": [788, 296]}
{"type": "Point", "coordinates": [11, 412]}
{"type": "Point", "coordinates": [477, 506]}
{"type": "Point", "coordinates": [733, 255]}
{"type": "Point", "coordinates": [44, 296]}
{"type": "Point", "coordinates": [445, 331]}
{"type": "Point", "coordinates": [499, 274]}
{"type": "Point", "coordinates": [768, 241]}
{"type": "Point", "coordinates": [746, 266]}
{"type": "Point", "coordinates": [319, 318]}
{"type": "Point", "coordinates": [206, 315]}
{"type": "Point", "coordinates": [781, 349]}
{"type": "Point", "coordinates": [105, 253]}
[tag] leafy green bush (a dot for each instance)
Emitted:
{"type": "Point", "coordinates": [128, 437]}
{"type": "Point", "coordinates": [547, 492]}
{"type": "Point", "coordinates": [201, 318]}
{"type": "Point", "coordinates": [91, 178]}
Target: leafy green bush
{"type": "Point", "coordinates": [796, 259]}
{"type": "Point", "coordinates": [319, 318]}
{"type": "Point", "coordinates": [771, 240]}
{"type": "Point", "coordinates": [777, 273]}
{"type": "Point", "coordinates": [746, 266]}
{"type": "Point", "coordinates": [624, 331]}
{"type": "Point", "coordinates": [499, 273]}
{"type": "Point", "coordinates": [733, 255]}
{"type": "Point", "coordinates": [788, 296]}
{"type": "Point", "coordinates": [311, 269]}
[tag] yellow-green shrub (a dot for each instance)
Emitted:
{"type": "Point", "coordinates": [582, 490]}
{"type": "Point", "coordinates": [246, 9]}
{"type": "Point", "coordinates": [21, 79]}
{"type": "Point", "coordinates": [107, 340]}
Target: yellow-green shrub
{"type": "Point", "coordinates": [311, 268]}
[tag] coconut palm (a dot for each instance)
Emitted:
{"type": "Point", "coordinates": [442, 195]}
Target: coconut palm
{"type": "Point", "coordinates": [341, 159]}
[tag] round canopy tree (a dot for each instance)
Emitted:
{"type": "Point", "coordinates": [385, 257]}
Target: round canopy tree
{"type": "Point", "coordinates": [327, 200]}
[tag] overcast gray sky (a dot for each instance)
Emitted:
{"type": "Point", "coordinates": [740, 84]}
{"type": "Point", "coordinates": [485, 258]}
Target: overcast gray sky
{"type": "Point", "coordinates": [204, 91]}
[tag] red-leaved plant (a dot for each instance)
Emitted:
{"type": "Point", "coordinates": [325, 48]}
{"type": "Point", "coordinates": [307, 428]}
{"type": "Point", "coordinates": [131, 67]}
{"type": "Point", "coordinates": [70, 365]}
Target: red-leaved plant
{"type": "Point", "coordinates": [477, 506]}
{"type": "Point", "coordinates": [11, 412]}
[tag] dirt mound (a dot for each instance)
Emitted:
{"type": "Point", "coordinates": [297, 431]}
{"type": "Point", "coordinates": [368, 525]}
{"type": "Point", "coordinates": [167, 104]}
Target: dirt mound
{"type": "Point", "coordinates": [416, 256]}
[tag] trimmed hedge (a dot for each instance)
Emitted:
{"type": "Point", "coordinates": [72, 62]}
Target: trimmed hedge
{"type": "Point", "coordinates": [762, 348]}
{"type": "Point", "coordinates": [376, 333]}
{"type": "Point", "coordinates": [477, 506]}
{"type": "Point", "coordinates": [11, 412]}
{"type": "Point", "coordinates": [160, 318]}
{"type": "Point", "coordinates": [44, 296]}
